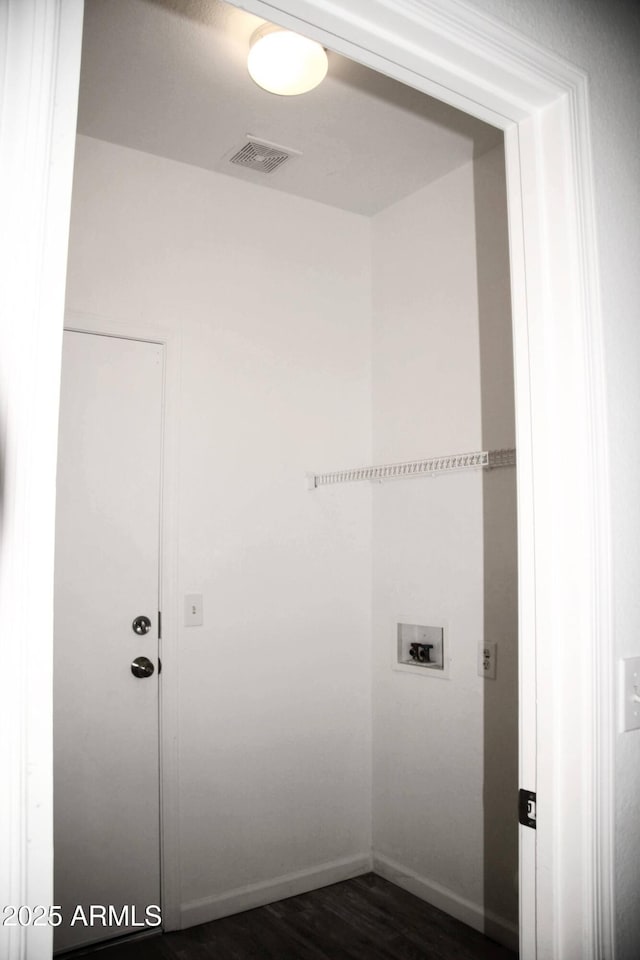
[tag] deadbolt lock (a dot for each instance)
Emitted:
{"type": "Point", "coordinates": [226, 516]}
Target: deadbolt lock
{"type": "Point", "coordinates": [141, 625]}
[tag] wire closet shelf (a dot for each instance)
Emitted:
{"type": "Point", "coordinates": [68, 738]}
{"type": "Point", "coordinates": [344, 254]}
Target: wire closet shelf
{"type": "Point", "coordinates": [431, 467]}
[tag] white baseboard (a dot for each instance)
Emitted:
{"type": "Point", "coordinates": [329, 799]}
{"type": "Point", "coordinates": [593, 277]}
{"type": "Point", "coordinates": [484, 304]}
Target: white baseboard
{"type": "Point", "coordinates": [470, 913]}
{"type": "Point", "coordinates": [259, 894]}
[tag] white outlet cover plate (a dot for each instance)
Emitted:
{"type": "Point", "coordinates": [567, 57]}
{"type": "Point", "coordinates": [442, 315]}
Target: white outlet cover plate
{"type": "Point", "coordinates": [487, 660]}
{"type": "Point", "coordinates": [629, 690]}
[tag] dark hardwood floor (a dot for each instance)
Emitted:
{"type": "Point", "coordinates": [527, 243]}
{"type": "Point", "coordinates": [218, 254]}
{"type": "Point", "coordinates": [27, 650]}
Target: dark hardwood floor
{"type": "Point", "coordinates": [362, 919]}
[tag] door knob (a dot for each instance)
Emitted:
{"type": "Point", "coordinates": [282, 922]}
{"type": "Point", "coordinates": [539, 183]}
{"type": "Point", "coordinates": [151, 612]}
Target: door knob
{"type": "Point", "coordinates": [141, 667]}
{"type": "Point", "coordinates": [141, 625]}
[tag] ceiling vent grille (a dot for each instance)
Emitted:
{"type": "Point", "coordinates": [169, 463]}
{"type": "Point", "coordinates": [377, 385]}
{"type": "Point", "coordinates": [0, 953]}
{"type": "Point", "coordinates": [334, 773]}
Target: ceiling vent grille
{"type": "Point", "coordinates": [261, 155]}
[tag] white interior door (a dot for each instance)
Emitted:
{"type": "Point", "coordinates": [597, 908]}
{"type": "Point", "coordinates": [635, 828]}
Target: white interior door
{"type": "Point", "coordinates": [106, 779]}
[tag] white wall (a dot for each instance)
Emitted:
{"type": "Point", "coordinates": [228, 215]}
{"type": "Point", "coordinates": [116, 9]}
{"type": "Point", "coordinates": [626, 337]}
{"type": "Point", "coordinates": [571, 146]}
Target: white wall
{"type": "Point", "coordinates": [274, 300]}
{"type": "Point", "coordinates": [500, 542]}
{"type": "Point", "coordinates": [445, 750]}
{"type": "Point", "coordinates": [271, 297]}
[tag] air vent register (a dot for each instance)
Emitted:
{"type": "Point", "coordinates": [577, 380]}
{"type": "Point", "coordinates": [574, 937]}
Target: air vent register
{"type": "Point", "coordinates": [261, 155]}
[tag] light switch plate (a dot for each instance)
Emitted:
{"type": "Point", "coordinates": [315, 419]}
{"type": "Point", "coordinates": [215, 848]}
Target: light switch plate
{"type": "Point", "coordinates": [193, 610]}
{"type": "Point", "coordinates": [630, 694]}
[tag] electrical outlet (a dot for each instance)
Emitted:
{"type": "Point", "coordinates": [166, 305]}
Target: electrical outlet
{"type": "Point", "coordinates": [487, 656]}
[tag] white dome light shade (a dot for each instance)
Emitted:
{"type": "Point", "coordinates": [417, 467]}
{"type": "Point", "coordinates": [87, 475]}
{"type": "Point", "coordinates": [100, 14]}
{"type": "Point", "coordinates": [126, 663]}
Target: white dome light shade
{"type": "Point", "coordinates": [285, 63]}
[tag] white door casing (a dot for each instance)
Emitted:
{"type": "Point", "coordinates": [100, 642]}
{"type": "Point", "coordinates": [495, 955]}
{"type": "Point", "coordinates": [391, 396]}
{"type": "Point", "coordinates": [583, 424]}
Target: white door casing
{"type": "Point", "coordinates": [476, 63]}
{"type": "Point", "coordinates": [106, 743]}
{"type": "Point", "coordinates": [40, 44]}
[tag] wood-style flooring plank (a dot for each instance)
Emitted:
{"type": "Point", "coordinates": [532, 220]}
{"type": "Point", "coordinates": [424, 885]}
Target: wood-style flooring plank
{"type": "Point", "coordinates": [367, 918]}
{"type": "Point", "coordinates": [426, 928]}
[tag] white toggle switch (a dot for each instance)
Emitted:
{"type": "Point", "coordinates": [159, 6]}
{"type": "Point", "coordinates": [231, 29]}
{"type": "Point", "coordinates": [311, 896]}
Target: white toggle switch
{"type": "Point", "coordinates": [193, 610]}
{"type": "Point", "coordinates": [630, 693]}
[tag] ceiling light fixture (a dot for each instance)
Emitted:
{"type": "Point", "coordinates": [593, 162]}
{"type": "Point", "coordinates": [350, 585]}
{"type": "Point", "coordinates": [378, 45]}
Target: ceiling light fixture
{"type": "Point", "coordinates": [285, 63]}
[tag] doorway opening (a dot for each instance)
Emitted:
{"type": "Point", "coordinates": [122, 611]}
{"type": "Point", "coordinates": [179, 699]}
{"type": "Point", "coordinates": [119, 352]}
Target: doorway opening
{"type": "Point", "coordinates": [284, 372]}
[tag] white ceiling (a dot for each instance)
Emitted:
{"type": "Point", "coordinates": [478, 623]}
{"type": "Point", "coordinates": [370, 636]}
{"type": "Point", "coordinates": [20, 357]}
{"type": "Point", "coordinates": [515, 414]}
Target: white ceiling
{"type": "Point", "coordinates": [169, 77]}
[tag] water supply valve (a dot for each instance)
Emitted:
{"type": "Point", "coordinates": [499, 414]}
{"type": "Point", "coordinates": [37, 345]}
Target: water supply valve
{"type": "Point", "coordinates": [421, 652]}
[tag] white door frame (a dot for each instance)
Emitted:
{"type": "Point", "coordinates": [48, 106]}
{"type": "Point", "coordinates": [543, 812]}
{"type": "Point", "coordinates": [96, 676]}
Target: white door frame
{"type": "Point", "coordinates": [453, 52]}
{"type": "Point", "coordinates": [40, 42]}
